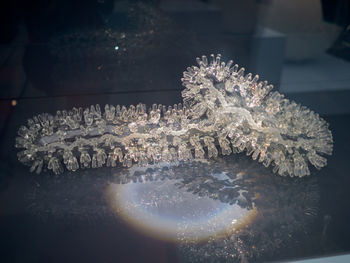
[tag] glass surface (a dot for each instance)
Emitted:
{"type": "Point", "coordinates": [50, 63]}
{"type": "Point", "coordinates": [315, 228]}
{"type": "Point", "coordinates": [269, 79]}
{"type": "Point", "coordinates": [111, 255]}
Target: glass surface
{"type": "Point", "coordinates": [58, 55]}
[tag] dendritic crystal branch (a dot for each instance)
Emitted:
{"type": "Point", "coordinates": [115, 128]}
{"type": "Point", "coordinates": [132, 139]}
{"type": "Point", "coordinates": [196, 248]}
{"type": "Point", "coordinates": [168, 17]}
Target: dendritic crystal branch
{"type": "Point", "coordinates": [224, 111]}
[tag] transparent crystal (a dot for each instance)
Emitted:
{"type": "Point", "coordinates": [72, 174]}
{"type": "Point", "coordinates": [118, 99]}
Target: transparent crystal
{"type": "Point", "coordinates": [55, 165]}
{"type": "Point", "coordinates": [70, 161]}
{"type": "Point", "coordinates": [224, 111]}
{"type": "Point", "coordinates": [85, 159]}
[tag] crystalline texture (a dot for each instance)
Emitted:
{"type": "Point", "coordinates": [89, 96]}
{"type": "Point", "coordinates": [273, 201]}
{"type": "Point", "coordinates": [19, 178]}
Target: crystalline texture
{"type": "Point", "coordinates": [224, 111]}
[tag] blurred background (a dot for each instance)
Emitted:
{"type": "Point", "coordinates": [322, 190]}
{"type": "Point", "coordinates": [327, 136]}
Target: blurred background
{"type": "Point", "coordinates": [78, 48]}
{"type": "Point", "coordinates": [59, 54]}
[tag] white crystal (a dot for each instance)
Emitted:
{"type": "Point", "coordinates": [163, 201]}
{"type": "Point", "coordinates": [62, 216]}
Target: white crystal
{"type": "Point", "coordinates": [222, 107]}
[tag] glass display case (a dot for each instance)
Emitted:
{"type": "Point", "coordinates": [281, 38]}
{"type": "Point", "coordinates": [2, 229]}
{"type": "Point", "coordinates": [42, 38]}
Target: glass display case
{"type": "Point", "coordinates": [226, 207]}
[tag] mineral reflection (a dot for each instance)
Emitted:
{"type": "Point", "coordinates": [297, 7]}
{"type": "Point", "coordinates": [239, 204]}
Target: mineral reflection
{"type": "Point", "coordinates": [228, 208]}
{"type": "Point", "coordinates": [163, 210]}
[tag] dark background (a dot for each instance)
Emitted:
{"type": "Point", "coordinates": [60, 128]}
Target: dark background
{"type": "Point", "coordinates": [55, 55]}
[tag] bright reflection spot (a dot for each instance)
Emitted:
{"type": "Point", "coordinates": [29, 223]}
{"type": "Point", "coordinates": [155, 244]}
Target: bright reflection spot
{"type": "Point", "coordinates": [163, 210]}
{"type": "Point", "coordinates": [116, 47]}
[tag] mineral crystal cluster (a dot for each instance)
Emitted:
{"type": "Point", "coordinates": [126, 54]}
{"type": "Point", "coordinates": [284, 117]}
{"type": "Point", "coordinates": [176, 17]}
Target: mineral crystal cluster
{"type": "Point", "coordinates": [224, 111]}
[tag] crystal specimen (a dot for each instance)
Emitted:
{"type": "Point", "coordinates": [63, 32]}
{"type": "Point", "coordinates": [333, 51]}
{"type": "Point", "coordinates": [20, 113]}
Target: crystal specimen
{"type": "Point", "coordinates": [224, 111]}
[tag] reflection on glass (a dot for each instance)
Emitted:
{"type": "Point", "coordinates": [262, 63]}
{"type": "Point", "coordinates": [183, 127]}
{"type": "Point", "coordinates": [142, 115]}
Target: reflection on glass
{"type": "Point", "coordinates": [226, 208]}
{"type": "Point", "coordinates": [166, 211]}
{"type": "Point", "coordinates": [230, 208]}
